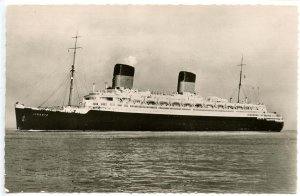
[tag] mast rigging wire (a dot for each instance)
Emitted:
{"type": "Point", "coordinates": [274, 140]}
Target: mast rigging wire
{"type": "Point", "coordinates": [56, 90]}
{"type": "Point", "coordinates": [84, 87]}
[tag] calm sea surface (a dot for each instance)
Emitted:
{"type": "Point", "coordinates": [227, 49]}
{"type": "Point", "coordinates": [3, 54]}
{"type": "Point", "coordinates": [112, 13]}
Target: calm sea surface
{"type": "Point", "coordinates": [220, 162]}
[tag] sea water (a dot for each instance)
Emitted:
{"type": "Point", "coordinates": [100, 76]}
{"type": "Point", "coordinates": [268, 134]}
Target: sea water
{"type": "Point", "coordinates": [146, 162]}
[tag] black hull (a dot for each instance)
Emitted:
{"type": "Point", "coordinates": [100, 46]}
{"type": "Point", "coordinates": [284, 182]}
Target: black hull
{"type": "Point", "coordinates": [28, 119]}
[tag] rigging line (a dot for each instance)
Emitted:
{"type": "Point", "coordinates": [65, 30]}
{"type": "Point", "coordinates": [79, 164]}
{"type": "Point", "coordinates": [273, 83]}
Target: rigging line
{"type": "Point", "coordinates": [252, 93]}
{"type": "Point", "coordinates": [36, 85]}
{"type": "Point", "coordinates": [256, 91]}
{"type": "Point", "coordinates": [56, 99]}
{"type": "Point", "coordinates": [84, 78]}
{"type": "Point", "coordinates": [84, 85]}
{"type": "Point", "coordinates": [54, 92]}
{"type": "Point", "coordinates": [245, 94]}
{"type": "Point", "coordinates": [82, 88]}
{"type": "Point", "coordinates": [76, 86]}
{"type": "Point", "coordinates": [76, 80]}
{"type": "Point", "coordinates": [248, 92]}
{"type": "Point", "coordinates": [65, 95]}
{"type": "Point", "coordinates": [74, 98]}
{"type": "Point", "coordinates": [81, 91]}
{"type": "Point", "coordinates": [42, 76]}
{"type": "Point", "coordinates": [60, 95]}
{"type": "Point", "coordinates": [233, 92]}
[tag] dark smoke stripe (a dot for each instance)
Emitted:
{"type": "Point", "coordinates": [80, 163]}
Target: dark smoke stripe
{"type": "Point", "coordinates": [124, 70]}
{"type": "Point", "coordinates": [186, 77]}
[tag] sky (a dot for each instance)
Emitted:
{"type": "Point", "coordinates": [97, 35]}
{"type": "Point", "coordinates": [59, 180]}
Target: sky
{"type": "Point", "coordinates": [159, 41]}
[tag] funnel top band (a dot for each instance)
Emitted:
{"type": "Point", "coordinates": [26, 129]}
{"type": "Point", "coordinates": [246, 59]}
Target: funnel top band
{"type": "Point", "coordinates": [124, 70]}
{"type": "Point", "coordinates": [185, 76]}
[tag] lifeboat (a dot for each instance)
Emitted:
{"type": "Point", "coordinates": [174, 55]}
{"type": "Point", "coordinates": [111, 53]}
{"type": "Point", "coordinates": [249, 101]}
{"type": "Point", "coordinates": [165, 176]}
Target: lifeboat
{"type": "Point", "coordinates": [187, 103]}
{"type": "Point", "coordinates": [239, 106]}
{"type": "Point", "coordinates": [162, 101]}
{"type": "Point", "coordinates": [229, 106]}
{"type": "Point", "coordinates": [209, 105]}
{"type": "Point", "coordinates": [175, 102]}
{"type": "Point", "coordinates": [151, 100]}
{"type": "Point", "coordinates": [137, 99]}
{"type": "Point", "coordinates": [199, 105]}
{"type": "Point", "coordinates": [220, 105]}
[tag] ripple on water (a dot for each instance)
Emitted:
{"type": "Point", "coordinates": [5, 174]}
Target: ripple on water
{"type": "Point", "coordinates": [223, 162]}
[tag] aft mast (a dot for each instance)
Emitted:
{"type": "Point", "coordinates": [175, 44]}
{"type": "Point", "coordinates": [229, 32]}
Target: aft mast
{"type": "Point", "coordinates": [73, 69]}
{"type": "Point", "coordinates": [240, 83]}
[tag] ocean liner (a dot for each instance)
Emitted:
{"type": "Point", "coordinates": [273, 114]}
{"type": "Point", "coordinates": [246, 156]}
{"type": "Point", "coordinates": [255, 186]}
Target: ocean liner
{"type": "Point", "coordinates": [123, 108]}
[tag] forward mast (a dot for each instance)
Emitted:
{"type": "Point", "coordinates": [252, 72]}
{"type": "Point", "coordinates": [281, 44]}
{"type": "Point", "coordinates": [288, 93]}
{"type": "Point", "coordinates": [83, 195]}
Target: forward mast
{"type": "Point", "coordinates": [73, 69]}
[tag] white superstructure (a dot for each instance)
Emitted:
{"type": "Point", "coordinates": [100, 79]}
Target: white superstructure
{"type": "Point", "coordinates": [191, 104]}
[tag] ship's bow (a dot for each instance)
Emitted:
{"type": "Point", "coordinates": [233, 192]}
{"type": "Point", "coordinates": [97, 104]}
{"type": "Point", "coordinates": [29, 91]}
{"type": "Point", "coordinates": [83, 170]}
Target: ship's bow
{"type": "Point", "coordinates": [19, 110]}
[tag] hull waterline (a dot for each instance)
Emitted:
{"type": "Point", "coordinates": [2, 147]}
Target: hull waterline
{"type": "Point", "coordinates": [121, 121]}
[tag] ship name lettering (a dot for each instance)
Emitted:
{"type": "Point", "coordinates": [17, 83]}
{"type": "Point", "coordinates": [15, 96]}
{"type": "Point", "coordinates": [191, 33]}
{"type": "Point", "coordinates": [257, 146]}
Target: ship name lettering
{"type": "Point", "coordinates": [39, 114]}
